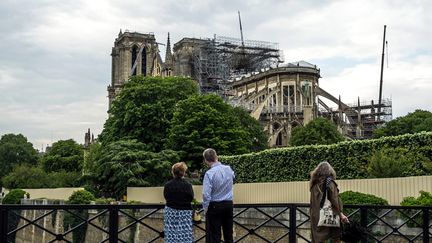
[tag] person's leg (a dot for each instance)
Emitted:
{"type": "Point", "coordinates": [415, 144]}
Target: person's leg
{"type": "Point", "coordinates": [213, 224]}
{"type": "Point", "coordinates": [227, 222]}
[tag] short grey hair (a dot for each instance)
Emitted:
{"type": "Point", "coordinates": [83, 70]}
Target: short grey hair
{"type": "Point", "coordinates": [210, 155]}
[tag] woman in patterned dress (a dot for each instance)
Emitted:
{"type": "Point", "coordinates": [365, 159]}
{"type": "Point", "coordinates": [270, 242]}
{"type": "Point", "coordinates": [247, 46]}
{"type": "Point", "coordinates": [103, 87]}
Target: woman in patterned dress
{"type": "Point", "coordinates": [178, 195]}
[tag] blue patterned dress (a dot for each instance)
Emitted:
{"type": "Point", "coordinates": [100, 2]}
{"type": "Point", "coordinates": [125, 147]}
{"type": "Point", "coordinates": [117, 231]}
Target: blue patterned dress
{"type": "Point", "coordinates": [178, 225]}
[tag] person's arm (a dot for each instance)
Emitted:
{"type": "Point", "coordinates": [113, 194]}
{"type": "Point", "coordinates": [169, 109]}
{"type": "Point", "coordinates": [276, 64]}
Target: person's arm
{"type": "Point", "coordinates": [207, 189]}
{"type": "Point", "coordinates": [336, 202]}
{"type": "Point", "coordinates": [165, 192]}
{"type": "Point", "coordinates": [191, 192]}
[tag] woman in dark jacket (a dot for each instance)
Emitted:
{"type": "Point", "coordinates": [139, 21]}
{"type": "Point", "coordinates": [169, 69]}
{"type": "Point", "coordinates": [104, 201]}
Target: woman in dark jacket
{"type": "Point", "coordinates": [324, 173]}
{"type": "Point", "coordinates": [178, 195]}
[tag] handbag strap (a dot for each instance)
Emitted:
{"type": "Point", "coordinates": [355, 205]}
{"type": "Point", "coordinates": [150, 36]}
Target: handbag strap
{"type": "Point", "coordinates": [324, 190]}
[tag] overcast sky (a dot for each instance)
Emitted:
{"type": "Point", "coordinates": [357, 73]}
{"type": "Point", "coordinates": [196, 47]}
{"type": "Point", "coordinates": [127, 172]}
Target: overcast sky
{"type": "Point", "coordinates": [55, 59]}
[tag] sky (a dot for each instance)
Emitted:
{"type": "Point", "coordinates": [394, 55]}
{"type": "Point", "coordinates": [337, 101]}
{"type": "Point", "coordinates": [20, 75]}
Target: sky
{"type": "Point", "coordinates": [55, 62]}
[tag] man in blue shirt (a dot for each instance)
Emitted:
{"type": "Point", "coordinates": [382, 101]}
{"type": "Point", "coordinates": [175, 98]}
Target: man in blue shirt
{"type": "Point", "coordinates": [218, 199]}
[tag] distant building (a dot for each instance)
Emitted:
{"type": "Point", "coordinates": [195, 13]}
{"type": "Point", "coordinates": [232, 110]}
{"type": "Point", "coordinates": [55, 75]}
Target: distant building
{"type": "Point", "coordinates": [251, 74]}
{"type": "Point", "coordinates": [88, 139]}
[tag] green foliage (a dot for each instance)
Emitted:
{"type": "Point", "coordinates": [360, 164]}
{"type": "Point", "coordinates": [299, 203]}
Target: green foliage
{"type": "Point", "coordinates": [397, 162]}
{"type": "Point", "coordinates": [425, 199]}
{"type": "Point", "coordinates": [15, 150]}
{"type": "Point", "coordinates": [256, 136]}
{"type": "Point", "coordinates": [126, 163]}
{"type": "Point", "coordinates": [24, 176]}
{"type": "Point", "coordinates": [14, 196]}
{"type": "Point", "coordinates": [358, 198]}
{"type": "Point", "coordinates": [70, 220]}
{"type": "Point", "coordinates": [204, 121]}
{"type": "Point", "coordinates": [91, 156]}
{"type": "Point", "coordinates": [318, 131]}
{"type": "Point", "coordinates": [65, 155]}
{"type": "Point", "coordinates": [81, 197]}
{"type": "Point", "coordinates": [414, 122]}
{"type": "Point", "coordinates": [349, 159]}
{"type": "Point", "coordinates": [144, 108]}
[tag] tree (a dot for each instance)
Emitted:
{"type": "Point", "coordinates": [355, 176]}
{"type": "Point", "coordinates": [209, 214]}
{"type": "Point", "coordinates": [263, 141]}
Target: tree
{"type": "Point", "coordinates": [414, 122]}
{"type": "Point", "coordinates": [25, 176]}
{"type": "Point", "coordinates": [127, 163]}
{"type": "Point", "coordinates": [15, 150]}
{"type": "Point", "coordinates": [144, 109]}
{"type": "Point", "coordinates": [204, 121]}
{"type": "Point", "coordinates": [91, 156]}
{"type": "Point", "coordinates": [318, 131]}
{"type": "Point", "coordinates": [397, 162]}
{"type": "Point", "coordinates": [64, 155]}
{"type": "Point", "coordinates": [256, 136]}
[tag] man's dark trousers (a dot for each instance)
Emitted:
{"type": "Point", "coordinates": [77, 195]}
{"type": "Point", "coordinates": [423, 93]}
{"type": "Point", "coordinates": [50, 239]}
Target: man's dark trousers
{"type": "Point", "coordinates": [219, 214]}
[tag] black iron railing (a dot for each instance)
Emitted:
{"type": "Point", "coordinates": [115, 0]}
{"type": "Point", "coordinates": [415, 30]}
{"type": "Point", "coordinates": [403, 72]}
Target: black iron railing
{"type": "Point", "coordinates": [252, 223]}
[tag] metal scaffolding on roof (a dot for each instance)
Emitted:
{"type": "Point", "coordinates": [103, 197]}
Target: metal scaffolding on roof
{"type": "Point", "coordinates": [221, 59]}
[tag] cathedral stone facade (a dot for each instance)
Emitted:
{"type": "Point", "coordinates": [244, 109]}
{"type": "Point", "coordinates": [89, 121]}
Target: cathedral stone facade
{"type": "Point", "coordinates": [135, 54]}
{"type": "Point", "coordinates": [250, 74]}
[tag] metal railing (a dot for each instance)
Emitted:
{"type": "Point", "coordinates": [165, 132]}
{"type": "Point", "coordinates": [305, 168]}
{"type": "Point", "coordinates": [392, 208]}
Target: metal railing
{"type": "Point", "coordinates": [252, 223]}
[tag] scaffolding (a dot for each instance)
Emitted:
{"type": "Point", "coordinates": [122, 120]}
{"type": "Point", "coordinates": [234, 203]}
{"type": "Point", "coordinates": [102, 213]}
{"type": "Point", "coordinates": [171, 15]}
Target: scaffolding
{"type": "Point", "coordinates": [220, 60]}
{"type": "Point", "coordinates": [360, 119]}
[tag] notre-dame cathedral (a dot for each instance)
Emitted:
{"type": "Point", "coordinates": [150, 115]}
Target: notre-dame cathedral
{"type": "Point", "coordinates": [246, 73]}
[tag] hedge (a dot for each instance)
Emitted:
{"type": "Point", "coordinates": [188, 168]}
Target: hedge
{"type": "Point", "coordinates": [349, 159]}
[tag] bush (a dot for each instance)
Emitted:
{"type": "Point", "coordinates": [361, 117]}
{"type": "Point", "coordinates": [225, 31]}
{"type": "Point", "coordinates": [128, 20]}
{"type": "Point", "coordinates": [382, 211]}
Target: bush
{"type": "Point", "coordinates": [425, 199]}
{"type": "Point", "coordinates": [81, 197]}
{"type": "Point", "coordinates": [72, 220]}
{"type": "Point", "coordinates": [397, 162]}
{"type": "Point", "coordinates": [349, 159]}
{"type": "Point", "coordinates": [358, 198]}
{"type": "Point", "coordinates": [13, 197]}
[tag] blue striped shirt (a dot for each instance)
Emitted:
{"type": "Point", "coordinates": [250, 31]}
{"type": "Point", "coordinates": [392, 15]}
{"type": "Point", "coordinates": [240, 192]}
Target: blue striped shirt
{"type": "Point", "coordinates": [218, 184]}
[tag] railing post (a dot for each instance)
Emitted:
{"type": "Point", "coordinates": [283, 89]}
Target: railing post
{"type": "Point", "coordinates": [364, 220]}
{"type": "Point", "coordinates": [113, 224]}
{"type": "Point", "coordinates": [292, 224]}
{"type": "Point", "coordinates": [3, 224]}
{"type": "Point", "coordinates": [426, 223]}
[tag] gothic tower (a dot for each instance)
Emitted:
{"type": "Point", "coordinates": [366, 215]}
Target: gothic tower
{"type": "Point", "coordinates": [133, 54]}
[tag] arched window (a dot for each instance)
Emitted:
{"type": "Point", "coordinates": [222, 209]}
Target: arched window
{"type": "Point", "coordinates": [144, 62]}
{"type": "Point", "coordinates": [134, 58]}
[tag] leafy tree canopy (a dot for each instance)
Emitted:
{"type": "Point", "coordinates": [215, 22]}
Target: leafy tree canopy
{"type": "Point", "coordinates": [398, 162]}
{"type": "Point", "coordinates": [414, 122]}
{"type": "Point", "coordinates": [91, 156]}
{"type": "Point", "coordinates": [64, 155]}
{"type": "Point", "coordinates": [127, 163]}
{"type": "Point", "coordinates": [15, 150]}
{"type": "Point", "coordinates": [25, 176]}
{"type": "Point", "coordinates": [204, 121]}
{"type": "Point", "coordinates": [144, 109]}
{"type": "Point", "coordinates": [318, 131]}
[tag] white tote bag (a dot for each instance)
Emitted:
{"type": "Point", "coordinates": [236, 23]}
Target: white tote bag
{"type": "Point", "coordinates": [327, 217]}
